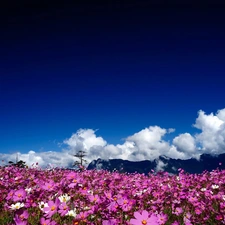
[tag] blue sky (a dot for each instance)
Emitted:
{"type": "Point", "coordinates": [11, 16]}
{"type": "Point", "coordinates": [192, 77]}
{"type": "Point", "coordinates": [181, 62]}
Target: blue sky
{"type": "Point", "coordinates": [117, 69]}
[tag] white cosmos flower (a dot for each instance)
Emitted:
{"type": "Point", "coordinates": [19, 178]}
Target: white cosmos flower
{"type": "Point", "coordinates": [72, 213]}
{"type": "Point", "coordinates": [214, 186]}
{"type": "Point", "coordinates": [28, 190]}
{"type": "Point", "coordinates": [64, 198]}
{"type": "Point", "coordinates": [18, 205]}
{"type": "Point", "coordinates": [42, 205]}
{"type": "Point", "coordinates": [223, 196]}
{"type": "Point", "coordinates": [86, 208]}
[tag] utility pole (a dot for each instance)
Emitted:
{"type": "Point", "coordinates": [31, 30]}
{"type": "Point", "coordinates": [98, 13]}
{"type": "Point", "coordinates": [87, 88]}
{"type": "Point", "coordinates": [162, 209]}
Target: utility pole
{"type": "Point", "coordinates": [17, 157]}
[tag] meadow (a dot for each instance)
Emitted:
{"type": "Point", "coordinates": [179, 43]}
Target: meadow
{"type": "Point", "coordinates": [31, 196]}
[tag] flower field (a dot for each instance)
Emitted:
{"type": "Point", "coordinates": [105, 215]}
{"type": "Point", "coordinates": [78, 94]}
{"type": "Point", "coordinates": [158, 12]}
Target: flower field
{"type": "Point", "coordinates": [52, 197]}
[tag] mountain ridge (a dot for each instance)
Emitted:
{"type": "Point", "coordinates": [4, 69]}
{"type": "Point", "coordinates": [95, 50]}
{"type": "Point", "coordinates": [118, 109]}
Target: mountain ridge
{"type": "Point", "coordinates": [206, 162]}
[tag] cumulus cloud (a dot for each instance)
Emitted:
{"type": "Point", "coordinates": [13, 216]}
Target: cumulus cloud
{"type": "Point", "coordinates": [160, 165]}
{"type": "Point", "coordinates": [44, 159]}
{"type": "Point", "coordinates": [186, 144]}
{"type": "Point", "coordinates": [212, 137]}
{"type": "Point", "coordinates": [147, 144]}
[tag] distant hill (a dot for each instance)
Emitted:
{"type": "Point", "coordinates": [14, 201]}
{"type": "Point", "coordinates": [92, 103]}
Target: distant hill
{"type": "Point", "coordinates": [207, 162]}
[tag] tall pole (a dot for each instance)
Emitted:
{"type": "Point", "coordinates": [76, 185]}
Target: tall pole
{"type": "Point", "coordinates": [17, 157]}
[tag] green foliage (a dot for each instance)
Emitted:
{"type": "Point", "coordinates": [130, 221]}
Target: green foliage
{"type": "Point", "coordinates": [20, 164]}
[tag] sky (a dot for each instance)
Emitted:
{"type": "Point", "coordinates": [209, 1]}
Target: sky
{"type": "Point", "coordinates": [118, 80]}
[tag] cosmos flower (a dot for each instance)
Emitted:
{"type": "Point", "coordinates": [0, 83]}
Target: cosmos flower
{"type": "Point", "coordinates": [21, 217]}
{"type": "Point", "coordinates": [71, 213]}
{"type": "Point", "coordinates": [214, 186]}
{"type": "Point", "coordinates": [18, 205]}
{"type": "Point", "coordinates": [42, 205]}
{"type": "Point", "coordinates": [19, 195]}
{"type": "Point", "coordinates": [144, 219]}
{"type": "Point", "coordinates": [64, 198]}
{"type": "Point", "coordinates": [63, 209]}
{"type": "Point", "coordinates": [52, 207]}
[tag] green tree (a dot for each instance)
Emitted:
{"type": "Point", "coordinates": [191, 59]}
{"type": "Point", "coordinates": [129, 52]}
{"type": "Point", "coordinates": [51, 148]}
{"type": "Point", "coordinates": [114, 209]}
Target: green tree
{"type": "Point", "coordinates": [80, 155]}
{"type": "Point", "coordinates": [20, 164]}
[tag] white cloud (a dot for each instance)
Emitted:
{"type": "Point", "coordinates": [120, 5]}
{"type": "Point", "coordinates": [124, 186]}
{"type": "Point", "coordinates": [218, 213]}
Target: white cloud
{"type": "Point", "coordinates": [160, 165]}
{"type": "Point", "coordinates": [84, 139]}
{"type": "Point", "coordinates": [212, 137]}
{"type": "Point", "coordinates": [185, 143]}
{"type": "Point", "coordinates": [59, 159]}
{"type": "Point", "coordinates": [147, 144]}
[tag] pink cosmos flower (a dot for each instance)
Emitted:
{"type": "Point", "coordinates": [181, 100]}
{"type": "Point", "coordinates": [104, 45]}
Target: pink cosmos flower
{"type": "Point", "coordinates": [219, 217]}
{"type": "Point", "coordinates": [20, 222]}
{"type": "Point", "coordinates": [108, 195]}
{"type": "Point", "coordinates": [112, 207]}
{"type": "Point", "coordinates": [198, 211]}
{"type": "Point", "coordinates": [21, 217]}
{"type": "Point", "coordinates": [44, 221]}
{"type": "Point", "coordinates": [94, 198]}
{"type": "Point", "coordinates": [19, 195]}
{"type": "Point", "coordinates": [48, 186]}
{"type": "Point", "coordinates": [63, 209]}
{"type": "Point", "coordinates": [52, 207]}
{"type": "Point", "coordinates": [125, 203]}
{"type": "Point", "coordinates": [178, 211]}
{"type": "Point", "coordinates": [82, 216]}
{"type": "Point", "coordinates": [143, 218]}
{"type": "Point", "coordinates": [175, 223]}
{"type": "Point", "coordinates": [109, 222]}
{"type": "Point", "coordinates": [10, 195]}
{"type": "Point", "coordinates": [162, 218]}
{"type": "Point", "coordinates": [74, 183]}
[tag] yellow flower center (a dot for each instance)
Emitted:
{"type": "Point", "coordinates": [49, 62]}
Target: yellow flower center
{"type": "Point", "coordinates": [53, 208]}
{"type": "Point", "coordinates": [144, 222]}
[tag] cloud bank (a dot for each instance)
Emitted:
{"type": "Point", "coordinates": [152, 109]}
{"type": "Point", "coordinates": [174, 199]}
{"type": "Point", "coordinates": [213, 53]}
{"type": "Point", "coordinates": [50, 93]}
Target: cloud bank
{"type": "Point", "coordinates": [147, 144]}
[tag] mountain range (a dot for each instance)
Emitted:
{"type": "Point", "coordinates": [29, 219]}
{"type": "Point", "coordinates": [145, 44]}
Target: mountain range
{"type": "Point", "coordinates": [206, 162]}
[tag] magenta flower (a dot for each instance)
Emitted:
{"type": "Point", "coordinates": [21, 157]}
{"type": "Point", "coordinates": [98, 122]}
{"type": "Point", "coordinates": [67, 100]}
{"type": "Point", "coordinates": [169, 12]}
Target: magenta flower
{"type": "Point", "coordinates": [48, 186]}
{"type": "Point", "coordinates": [113, 206]}
{"type": "Point", "coordinates": [162, 218]}
{"type": "Point", "coordinates": [175, 223]}
{"type": "Point", "coordinates": [18, 221]}
{"type": "Point", "coordinates": [94, 198]}
{"type": "Point", "coordinates": [44, 221]}
{"type": "Point", "coordinates": [109, 222]}
{"type": "Point", "coordinates": [19, 195]}
{"type": "Point", "coordinates": [125, 203]}
{"type": "Point", "coordinates": [178, 211]}
{"type": "Point", "coordinates": [63, 209]}
{"type": "Point", "coordinates": [143, 218]}
{"type": "Point", "coordinates": [52, 207]}
{"type": "Point", "coordinates": [198, 211]}
{"type": "Point", "coordinates": [21, 217]}
{"type": "Point", "coordinates": [10, 195]}
{"type": "Point", "coordinates": [82, 216]}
